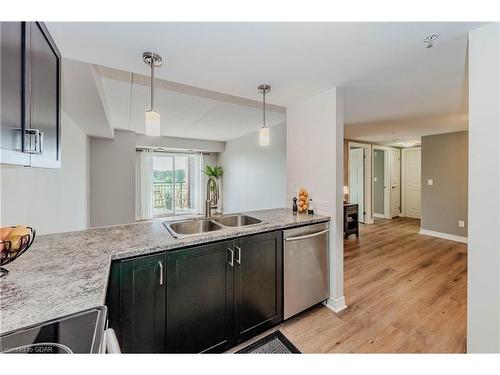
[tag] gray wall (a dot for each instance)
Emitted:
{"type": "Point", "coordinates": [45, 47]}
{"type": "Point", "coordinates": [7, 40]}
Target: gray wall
{"type": "Point", "coordinates": [254, 176]}
{"type": "Point", "coordinates": [112, 179]}
{"type": "Point", "coordinates": [112, 172]}
{"type": "Point", "coordinates": [50, 200]}
{"type": "Point", "coordinates": [444, 159]}
{"type": "Point", "coordinates": [378, 186]}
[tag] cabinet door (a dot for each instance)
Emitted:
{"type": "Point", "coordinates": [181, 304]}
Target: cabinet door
{"type": "Point", "coordinates": [258, 283]}
{"type": "Point", "coordinates": [43, 115]}
{"type": "Point", "coordinates": [143, 294]}
{"type": "Point", "coordinates": [200, 299]}
{"type": "Point", "coordinates": [12, 123]}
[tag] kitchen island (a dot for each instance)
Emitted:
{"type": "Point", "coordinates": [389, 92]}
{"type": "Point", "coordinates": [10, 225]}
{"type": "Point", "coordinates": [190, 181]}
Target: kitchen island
{"type": "Point", "coordinates": [68, 272]}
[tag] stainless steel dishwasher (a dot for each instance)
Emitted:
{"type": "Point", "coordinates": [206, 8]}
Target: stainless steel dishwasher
{"type": "Point", "coordinates": [305, 267]}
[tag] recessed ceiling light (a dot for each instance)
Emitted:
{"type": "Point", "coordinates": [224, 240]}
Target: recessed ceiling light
{"type": "Point", "coordinates": [430, 39]}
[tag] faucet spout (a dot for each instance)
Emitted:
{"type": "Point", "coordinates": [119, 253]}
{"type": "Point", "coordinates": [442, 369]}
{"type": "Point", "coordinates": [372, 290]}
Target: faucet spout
{"type": "Point", "coordinates": [208, 202]}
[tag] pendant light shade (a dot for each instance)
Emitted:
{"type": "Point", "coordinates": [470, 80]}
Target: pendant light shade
{"type": "Point", "coordinates": [152, 123]}
{"type": "Point", "coordinates": [264, 138]}
{"type": "Point", "coordinates": [264, 134]}
{"type": "Point", "coordinates": [152, 118]}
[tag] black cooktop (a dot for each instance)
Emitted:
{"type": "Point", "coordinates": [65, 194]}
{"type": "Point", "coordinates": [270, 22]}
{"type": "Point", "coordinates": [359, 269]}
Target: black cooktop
{"type": "Point", "coordinates": [76, 333]}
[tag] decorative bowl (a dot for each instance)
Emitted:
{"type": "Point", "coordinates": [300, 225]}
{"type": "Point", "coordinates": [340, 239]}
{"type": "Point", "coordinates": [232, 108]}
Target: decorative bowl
{"type": "Point", "coordinates": [11, 250]}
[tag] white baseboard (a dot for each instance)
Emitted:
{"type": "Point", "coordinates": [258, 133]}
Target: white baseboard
{"type": "Point", "coordinates": [446, 236]}
{"type": "Point", "coordinates": [382, 216]}
{"type": "Point", "coordinates": [337, 304]}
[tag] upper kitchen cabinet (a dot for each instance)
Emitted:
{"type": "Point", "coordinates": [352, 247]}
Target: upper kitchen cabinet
{"type": "Point", "coordinates": [12, 98]}
{"type": "Point", "coordinates": [30, 96]}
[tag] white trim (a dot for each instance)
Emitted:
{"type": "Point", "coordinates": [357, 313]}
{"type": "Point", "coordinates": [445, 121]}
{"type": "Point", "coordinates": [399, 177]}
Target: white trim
{"type": "Point", "coordinates": [336, 305]}
{"type": "Point", "coordinates": [446, 236]}
{"type": "Point", "coordinates": [381, 216]}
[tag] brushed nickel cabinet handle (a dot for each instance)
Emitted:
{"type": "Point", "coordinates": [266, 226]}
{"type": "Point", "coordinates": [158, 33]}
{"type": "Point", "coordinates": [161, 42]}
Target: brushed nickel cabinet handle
{"type": "Point", "coordinates": [231, 257]}
{"type": "Point", "coordinates": [161, 272]}
{"type": "Point", "coordinates": [33, 141]}
{"type": "Point", "coordinates": [238, 253]}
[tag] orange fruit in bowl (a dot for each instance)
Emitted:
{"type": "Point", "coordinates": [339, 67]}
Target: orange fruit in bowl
{"type": "Point", "coordinates": [15, 242]}
{"type": "Point", "coordinates": [5, 232]}
{"type": "Point", "coordinates": [19, 230]}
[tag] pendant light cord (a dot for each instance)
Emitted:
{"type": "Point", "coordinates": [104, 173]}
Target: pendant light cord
{"type": "Point", "coordinates": [264, 108]}
{"type": "Point", "coordinates": [152, 62]}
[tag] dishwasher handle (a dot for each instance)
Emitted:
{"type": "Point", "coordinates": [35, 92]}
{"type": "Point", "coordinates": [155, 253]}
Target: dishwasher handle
{"type": "Point", "coordinates": [307, 235]}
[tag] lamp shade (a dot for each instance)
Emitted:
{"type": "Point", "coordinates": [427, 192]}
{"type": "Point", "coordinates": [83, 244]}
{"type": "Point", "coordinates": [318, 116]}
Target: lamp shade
{"type": "Point", "coordinates": [264, 137]}
{"type": "Point", "coordinates": [152, 123]}
{"type": "Point", "coordinates": [346, 190]}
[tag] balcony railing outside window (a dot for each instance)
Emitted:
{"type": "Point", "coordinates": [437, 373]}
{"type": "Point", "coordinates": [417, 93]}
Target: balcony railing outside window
{"type": "Point", "coordinates": [163, 197]}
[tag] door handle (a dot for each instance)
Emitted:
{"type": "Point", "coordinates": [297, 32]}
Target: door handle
{"type": "Point", "coordinates": [161, 272]}
{"type": "Point", "coordinates": [231, 257]}
{"type": "Point", "coordinates": [238, 253]}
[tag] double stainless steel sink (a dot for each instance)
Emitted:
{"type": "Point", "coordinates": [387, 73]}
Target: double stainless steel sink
{"type": "Point", "coordinates": [196, 227]}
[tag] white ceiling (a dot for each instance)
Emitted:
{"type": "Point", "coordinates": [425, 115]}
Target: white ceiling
{"type": "Point", "coordinates": [386, 69]}
{"type": "Point", "coordinates": [395, 132]}
{"type": "Point", "coordinates": [186, 111]}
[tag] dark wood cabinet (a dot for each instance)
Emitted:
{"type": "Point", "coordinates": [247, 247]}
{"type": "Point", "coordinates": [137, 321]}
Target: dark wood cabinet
{"type": "Point", "coordinates": [200, 299]}
{"type": "Point", "coordinates": [351, 223]}
{"type": "Point", "coordinates": [12, 123]}
{"type": "Point", "coordinates": [258, 283]}
{"type": "Point", "coordinates": [31, 96]}
{"type": "Point", "coordinates": [138, 302]}
{"type": "Point", "coordinates": [212, 296]}
{"type": "Point", "coordinates": [43, 103]}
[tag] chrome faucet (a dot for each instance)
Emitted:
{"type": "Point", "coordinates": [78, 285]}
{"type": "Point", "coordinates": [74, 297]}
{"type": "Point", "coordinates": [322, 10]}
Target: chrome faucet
{"type": "Point", "coordinates": [208, 201]}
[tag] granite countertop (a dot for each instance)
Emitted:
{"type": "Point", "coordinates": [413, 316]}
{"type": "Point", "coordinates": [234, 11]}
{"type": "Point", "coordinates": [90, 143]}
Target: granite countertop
{"type": "Point", "coordinates": [68, 272]}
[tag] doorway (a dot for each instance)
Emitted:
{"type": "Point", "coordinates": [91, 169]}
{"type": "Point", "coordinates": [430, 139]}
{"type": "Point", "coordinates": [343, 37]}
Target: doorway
{"type": "Point", "coordinates": [356, 178]}
{"type": "Point", "coordinates": [359, 172]}
{"type": "Point", "coordinates": [379, 183]}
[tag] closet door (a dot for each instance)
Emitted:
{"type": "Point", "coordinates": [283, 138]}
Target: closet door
{"type": "Point", "coordinates": [411, 182]}
{"type": "Point", "coordinates": [395, 166]}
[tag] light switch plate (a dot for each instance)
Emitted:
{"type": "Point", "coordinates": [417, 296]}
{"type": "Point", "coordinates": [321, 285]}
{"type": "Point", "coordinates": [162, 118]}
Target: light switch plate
{"type": "Point", "coordinates": [461, 223]}
{"type": "Point", "coordinates": [430, 182]}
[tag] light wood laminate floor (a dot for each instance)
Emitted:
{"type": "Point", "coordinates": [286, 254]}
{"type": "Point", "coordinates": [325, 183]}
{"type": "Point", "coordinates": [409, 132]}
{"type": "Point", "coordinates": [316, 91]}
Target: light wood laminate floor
{"type": "Point", "coordinates": [406, 293]}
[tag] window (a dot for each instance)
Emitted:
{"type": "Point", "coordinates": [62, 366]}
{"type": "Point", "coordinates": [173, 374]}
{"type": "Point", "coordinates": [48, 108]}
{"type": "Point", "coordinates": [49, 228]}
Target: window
{"type": "Point", "coordinates": [176, 184]}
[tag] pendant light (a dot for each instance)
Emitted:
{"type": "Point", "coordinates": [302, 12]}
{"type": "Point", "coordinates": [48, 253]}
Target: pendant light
{"type": "Point", "coordinates": [152, 118]}
{"type": "Point", "coordinates": [264, 136]}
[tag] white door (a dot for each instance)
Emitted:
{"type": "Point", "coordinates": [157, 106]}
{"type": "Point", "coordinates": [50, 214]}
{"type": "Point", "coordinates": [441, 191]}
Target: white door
{"type": "Point", "coordinates": [411, 182]}
{"type": "Point", "coordinates": [395, 160]}
{"type": "Point", "coordinates": [356, 180]}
